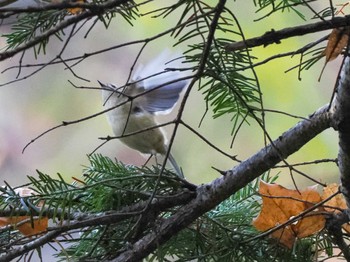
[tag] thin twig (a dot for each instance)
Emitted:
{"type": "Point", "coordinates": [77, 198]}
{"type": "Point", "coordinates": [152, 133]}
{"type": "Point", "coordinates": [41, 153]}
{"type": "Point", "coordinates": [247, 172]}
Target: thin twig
{"type": "Point", "coordinates": [273, 36]}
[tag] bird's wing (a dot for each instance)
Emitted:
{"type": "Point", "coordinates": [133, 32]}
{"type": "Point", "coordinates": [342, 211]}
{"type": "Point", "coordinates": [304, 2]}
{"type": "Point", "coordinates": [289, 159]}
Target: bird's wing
{"type": "Point", "coordinates": [162, 97]}
{"type": "Point", "coordinates": [162, 87]}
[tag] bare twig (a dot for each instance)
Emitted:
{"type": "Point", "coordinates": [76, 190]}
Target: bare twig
{"type": "Point", "coordinates": [273, 36]}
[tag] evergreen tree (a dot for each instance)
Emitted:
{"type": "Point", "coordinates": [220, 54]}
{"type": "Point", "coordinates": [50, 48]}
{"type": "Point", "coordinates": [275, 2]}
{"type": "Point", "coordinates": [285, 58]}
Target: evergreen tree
{"type": "Point", "coordinates": [120, 212]}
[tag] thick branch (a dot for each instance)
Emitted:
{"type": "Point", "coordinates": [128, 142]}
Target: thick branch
{"type": "Point", "coordinates": [341, 108]}
{"type": "Point", "coordinates": [210, 195]}
{"type": "Point", "coordinates": [334, 227]}
{"type": "Point", "coordinates": [276, 36]}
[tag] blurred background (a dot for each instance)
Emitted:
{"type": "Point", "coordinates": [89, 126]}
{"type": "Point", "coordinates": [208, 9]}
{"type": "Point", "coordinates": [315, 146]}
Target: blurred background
{"type": "Point", "coordinates": [45, 99]}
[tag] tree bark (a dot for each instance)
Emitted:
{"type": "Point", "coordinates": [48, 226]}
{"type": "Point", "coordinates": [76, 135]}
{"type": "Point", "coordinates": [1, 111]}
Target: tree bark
{"type": "Point", "coordinates": [341, 119]}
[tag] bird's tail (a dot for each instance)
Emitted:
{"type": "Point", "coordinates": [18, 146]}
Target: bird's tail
{"type": "Point", "coordinates": [175, 166]}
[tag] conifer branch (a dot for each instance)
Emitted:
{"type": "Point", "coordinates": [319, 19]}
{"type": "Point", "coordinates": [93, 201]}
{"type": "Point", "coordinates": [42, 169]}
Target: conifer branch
{"type": "Point", "coordinates": [210, 195]}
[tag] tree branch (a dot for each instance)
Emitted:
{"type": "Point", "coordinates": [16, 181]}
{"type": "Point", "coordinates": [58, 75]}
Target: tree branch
{"type": "Point", "coordinates": [81, 220]}
{"type": "Point", "coordinates": [273, 36]}
{"type": "Point", "coordinates": [30, 246]}
{"type": "Point", "coordinates": [341, 109]}
{"type": "Point", "coordinates": [70, 21]}
{"type": "Point", "coordinates": [334, 227]}
{"type": "Point", "coordinates": [210, 195]}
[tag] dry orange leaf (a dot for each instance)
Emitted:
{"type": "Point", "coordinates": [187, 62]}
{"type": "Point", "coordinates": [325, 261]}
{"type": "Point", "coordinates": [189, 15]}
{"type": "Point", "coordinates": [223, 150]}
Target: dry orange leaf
{"type": "Point", "coordinates": [337, 41]}
{"type": "Point", "coordinates": [29, 227]}
{"type": "Point", "coordinates": [337, 202]}
{"type": "Point", "coordinates": [281, 204]}
{"type": "Point", "coordinates": [39, 224]}
{"type": "Point", "coordinates": [76, 10]}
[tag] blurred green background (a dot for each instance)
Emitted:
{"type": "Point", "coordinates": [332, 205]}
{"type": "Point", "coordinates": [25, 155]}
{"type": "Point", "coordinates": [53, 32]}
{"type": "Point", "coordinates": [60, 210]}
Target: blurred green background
{"type": "Point", "coordinates": [31, 106]}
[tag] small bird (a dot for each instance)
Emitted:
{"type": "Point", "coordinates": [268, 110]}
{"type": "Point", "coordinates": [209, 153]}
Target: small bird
{"type": "Point", "coordinates": [152, 91]}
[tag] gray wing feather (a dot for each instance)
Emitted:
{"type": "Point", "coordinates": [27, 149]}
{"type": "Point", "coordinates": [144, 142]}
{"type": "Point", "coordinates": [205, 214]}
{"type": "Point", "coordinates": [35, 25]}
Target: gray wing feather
{"type": "Point", "coordinates": [163, 98]}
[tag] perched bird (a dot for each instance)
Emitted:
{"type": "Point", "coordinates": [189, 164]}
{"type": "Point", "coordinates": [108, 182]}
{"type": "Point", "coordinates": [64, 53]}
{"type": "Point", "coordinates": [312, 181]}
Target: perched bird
{"type": "Point", "coordinates": [152, 90]}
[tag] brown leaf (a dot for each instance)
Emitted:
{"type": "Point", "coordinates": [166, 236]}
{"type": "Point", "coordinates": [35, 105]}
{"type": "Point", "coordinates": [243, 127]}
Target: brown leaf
{"type": "Point", "coordinates": [337, 201]}
{"type": "Point", "coordinates": [76, 10]}
{"type": "Point", "coordinates": [337, 41]}
{"type": "Point", "coordinates": [281, 204]}
{"type": "Point", "coordinates": [312, 223]}
{"type": "Point", "coordinates": [29, 227]}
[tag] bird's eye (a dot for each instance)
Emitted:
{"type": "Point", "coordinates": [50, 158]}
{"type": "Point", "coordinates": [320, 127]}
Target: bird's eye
{"type": "Point", "coordinates": [136, 110]}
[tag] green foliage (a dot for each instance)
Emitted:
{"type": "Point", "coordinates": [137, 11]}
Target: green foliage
{"type": "Point", "coordinates": [29, 26]}
{"type": "Point", "coordinates": [111, 186]}
{"type": "Point", "coordinates": [107, 186]}
{"type": "Point", "coordinates": [124, 184]}
{"type": "Point", "coordinates": [228, 81]}
{"type": "Point", "coordinates": [222, 234]}
{"type": "Point", "coordinates": [228, 90]}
